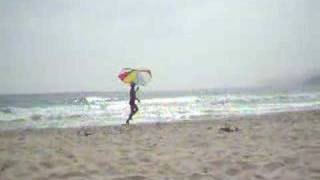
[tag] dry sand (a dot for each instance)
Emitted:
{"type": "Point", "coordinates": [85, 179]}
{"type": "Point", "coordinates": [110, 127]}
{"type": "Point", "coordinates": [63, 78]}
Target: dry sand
{"type": "Point", "coordinates": [275, 146]}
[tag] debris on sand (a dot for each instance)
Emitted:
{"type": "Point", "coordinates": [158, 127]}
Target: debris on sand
{"type": "Point", "coordinates": [84, 132]}
{"type": "Point", "coordinates": [229, 129]}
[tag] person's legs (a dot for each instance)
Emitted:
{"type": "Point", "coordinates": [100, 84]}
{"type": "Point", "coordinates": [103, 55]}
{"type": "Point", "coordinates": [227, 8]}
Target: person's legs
{"type": "Point", "coordinates": [132, 108]}
{"type": "Point", "coordinates": [136, 109]}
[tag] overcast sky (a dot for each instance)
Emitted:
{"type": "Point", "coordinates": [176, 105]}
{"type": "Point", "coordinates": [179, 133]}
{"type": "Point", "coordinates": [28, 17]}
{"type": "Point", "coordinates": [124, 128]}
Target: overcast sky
{"type": "Point", "coordinates": [72, 45]}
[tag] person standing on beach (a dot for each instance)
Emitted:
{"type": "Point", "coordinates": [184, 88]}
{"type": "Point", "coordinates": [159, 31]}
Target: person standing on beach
{"type": "Point", "coordinates": [133, 97]}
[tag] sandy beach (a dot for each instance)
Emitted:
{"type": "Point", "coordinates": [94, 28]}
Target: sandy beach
{"type": "Point", "coordinates": [274, 146]}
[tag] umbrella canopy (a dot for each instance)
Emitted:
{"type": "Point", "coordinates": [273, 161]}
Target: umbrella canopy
{"type": "Point", "coordinates": [140, 77]}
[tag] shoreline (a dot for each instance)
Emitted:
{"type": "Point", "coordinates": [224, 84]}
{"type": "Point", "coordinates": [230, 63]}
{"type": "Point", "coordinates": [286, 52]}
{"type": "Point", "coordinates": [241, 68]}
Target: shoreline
{"type": "Point", "coordinates": [269, 146]}
{"type": "Point", "coordinates": [193, 119]}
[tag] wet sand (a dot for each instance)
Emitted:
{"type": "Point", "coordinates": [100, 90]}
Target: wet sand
{"type": "Point", "coordinates": [275, 146]}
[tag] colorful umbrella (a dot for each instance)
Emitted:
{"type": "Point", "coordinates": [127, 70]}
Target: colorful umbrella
{"type": "Point", "coordinates": [140, 77]}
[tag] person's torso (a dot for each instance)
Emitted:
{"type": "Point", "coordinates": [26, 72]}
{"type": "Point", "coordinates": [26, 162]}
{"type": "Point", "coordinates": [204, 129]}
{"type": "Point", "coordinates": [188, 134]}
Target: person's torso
{"type": "Point", "coordinates": [132, 95]}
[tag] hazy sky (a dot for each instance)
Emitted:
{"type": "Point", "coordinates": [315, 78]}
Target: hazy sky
{"type": "Point", "coordinates": [72, 45]}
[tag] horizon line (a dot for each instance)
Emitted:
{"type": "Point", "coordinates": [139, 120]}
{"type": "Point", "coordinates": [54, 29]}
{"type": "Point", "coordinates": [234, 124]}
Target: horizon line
{"type": "Point", "coordinates": [266, 88]}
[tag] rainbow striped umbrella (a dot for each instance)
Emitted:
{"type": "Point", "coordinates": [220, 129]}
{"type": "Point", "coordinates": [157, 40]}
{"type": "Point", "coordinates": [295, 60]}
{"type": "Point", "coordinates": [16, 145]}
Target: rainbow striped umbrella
{"type": "Point", "coordinates": [140, 77]}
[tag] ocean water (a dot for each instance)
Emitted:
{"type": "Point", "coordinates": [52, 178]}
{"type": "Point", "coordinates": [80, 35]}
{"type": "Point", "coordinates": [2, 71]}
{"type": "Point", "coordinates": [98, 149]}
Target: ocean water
{"type": "Point", "coordinates": [97, 109]}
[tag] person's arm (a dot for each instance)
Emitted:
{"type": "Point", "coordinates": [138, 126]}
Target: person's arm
{"type": "Point", "coordinates": [136, 95]}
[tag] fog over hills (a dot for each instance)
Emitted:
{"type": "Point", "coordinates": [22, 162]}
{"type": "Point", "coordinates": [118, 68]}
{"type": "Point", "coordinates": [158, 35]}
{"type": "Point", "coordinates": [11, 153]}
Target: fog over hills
{"type": "Point", "coordinates": [313, 81]}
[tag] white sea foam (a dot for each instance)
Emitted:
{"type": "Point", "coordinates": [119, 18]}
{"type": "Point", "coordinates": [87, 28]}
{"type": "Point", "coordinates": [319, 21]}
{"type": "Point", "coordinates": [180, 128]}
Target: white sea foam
{"type": "Point", "coordinates": [102, 110]}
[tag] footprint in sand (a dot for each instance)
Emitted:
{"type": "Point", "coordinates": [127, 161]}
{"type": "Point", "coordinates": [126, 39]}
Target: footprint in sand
{"type": "Point", "coordinates": [46, 164]}
{"type": "Point", "coordinates": [218, 164]}
{"type": "Point", "coordinates": [197, 176]}
{"type": "Point", "coordinates": [33, 168]}
{"type": "Point", "coordinates": [314, 170]}
{"type": "Point", "coordinates": [6, 165]}
{"type": "Point", "coordinates": [290, 160]}
{"type": "Point", "coordinates": [247, 166]}
{"type": "Point", "coordinates": [130, 178]}
{"type": "Point", "coordinates": [232, 172]}
{"type": "Point", "coordinates": [258, 177]}
{"type": "Point", "coordinates": [270, 167]}
{"type": "Point", "coordinates": [315, 177]}
{"type": "Point", "coordinates": [71, 174]}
